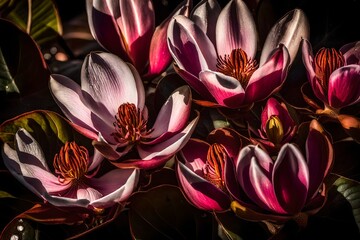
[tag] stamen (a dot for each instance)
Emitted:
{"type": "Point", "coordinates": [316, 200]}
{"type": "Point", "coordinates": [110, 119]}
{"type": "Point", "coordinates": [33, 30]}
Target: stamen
{"type": "Point", "coordinates": [237, 65]}
{"type": "Point", "coordinates": [327, 60]}
{"type": "Point", "coordinates": [214, 167]}
{"type": "Point", "coordinates": [71, 162]}
{"type": "Point", "coordinates": [130, 126]}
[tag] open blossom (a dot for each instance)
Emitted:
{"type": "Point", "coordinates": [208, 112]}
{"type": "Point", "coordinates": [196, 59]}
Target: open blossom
{"type": "Point", "coordinates": [201, 169]}
{"type": "Point", "coordinates": [127, 29]}
{"type": "Point", "coordinates": [74, 180]}
{"type": "Point", "coordinates": [109, 107]}
{"type": "Point", "coordinates": [281, 189]}
{"type": "Point", "coordinates": [277, 126]}
{"type": "Point", "coordinates": [334, 75]}
{"type": "Point", "coordinates": [215, 53]}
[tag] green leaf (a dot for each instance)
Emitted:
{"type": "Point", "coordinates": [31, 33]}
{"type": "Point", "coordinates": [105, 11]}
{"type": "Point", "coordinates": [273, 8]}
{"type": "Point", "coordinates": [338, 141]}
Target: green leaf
{"type": "Point", "coordinates": [4, 194]}
{"type": "Point", "coordinates": [350, 189]}
{"type": "Point", "coordinates": [163, 213]}
{"type": "Point", "coordinates": [39, 18]}
{"type": "Point", "coordinates": [7, 82]}
{"type": "Point", "coordinates": [48, 128]}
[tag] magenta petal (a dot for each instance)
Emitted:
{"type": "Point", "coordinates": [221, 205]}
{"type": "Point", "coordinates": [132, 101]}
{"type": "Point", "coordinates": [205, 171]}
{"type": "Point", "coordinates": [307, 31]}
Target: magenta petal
{"type": "Point", "coordinates": [319, 155]}
{"type": "Point", "coordinates": [167, 148]}
{"type": "Point", "coordinates": [69, 97]}
{"type": "Point", "coordinates": [291, 179]}
{"type": "Point", "coordinates": [195, 83]}
{"type": "Point", "coordinates": [88, 193]}
{"type": "Point", "coordinates": [205, 15]}
{"type": "Point", "coordinates": [226, 90]}
{"type": "Point", "coordinates": [159, 56]}
{"type": "Point", "coordinates": [344, 86]}
{"type": "Point", "coordinates": [191, 49]}
{"type": "Point", "coordinates": [137, 23]}
{"type": "Point", "coordinates": [308, 59]}
{"type": "Point", "coordinates": [103, 26]}
{"type": "Point", "coordinates": [254, 169]}
{"type": "Point", "coordinates": [200, 192]}
{"type": "Point", "coordinates": [110, 82]}
{"type": "Point", "coordinates": [351, 53]}
{"type": "Point", "coordinates": [173, 114]}
{"type": "Point", "coordinates": [274, 108]}
{"type": "Point", "coordinates": [289, 30]}
{"type": "Point", "coordinates": [235, 28]}
{"type": "Point", "coordinates": [194, 154]}
{"type": "Point", "coordinates": [115, 186]}
{"type": "Point", "coordinates": [272, 75]}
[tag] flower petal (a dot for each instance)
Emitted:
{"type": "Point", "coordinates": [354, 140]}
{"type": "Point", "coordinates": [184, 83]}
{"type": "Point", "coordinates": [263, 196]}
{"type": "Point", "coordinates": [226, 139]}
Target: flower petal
{"type": "Point", "coordinates": [110, 82]}
{"type": "Point", "coordinates": [319, 156]}
{"type": "Point", "coordinates": [159, 56]}
{"type": "Point", "coordinates": [200, 192]}
{"type": "Point", "coordinates": [235, 28]}
{"type": "Point", "coordinates": [291, 179]}
{"type": "Point", "coordinates": [344, 86]}
{"type": "Point", "coordinates": [272, 75]}
{"type": "Point", "coordinates": [115, 186]}
{"type": "Point", "coordinates": [194, 154]}
{"type": "Point", "coordinates": [351, 53]}
{"type": "Point", "coordinates": [226, 90]}
{"type": "Point", "coordinates": [156, 155]}
{"type": "Point", "coordinates": [254, 169]}
{"type": "Point", "coordinates": [69, 97]}
{"type": "Point", "coordinates": [289, 30]}
{"type": "Point", "coordinates": [191, 49]}
{"type": "Point", "coordinates": [205, 15]}
{"type": "Point", "coordinates": [173, 115]}
{"type": "Point", "coordinates": [229, 138]}
{"type": "Point", "coordinates": [274, 108]}
{"type": "Point", "coordinates": [137, 22]}
{"type": "Point", "coordinates": [308, 59]}
{"type": "Point", "coordinates": [102, 17]}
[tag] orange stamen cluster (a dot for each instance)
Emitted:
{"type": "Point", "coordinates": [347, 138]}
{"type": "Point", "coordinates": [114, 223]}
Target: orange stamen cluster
{"type": "Point", "coordinates": [214, 167]}
{"type": "Point", "coordinates": [237, 65]}
{"type": "Point", "coordinates": [327, 60]}
{"type": "Point", "coordinates": [130, 125]}
{"type": "Point", "coordinates": [71, 163]}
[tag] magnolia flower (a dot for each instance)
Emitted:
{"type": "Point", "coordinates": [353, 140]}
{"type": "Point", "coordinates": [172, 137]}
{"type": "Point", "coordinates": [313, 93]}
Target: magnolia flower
{"type": "Point", "coordinates": [72, 182]}
{"type": "Point", "coordinates": [201, 171]}
{"type": "Point", "coordinates": [215, 53]}
{"type": "Point", "coordinates": [109, 107]}
{"type": "Point", "coordinates": [334, 75]}
{"type": "Point", "coordinates": [127, 29]}
{"type": "Point", "coordinates": [277, 126]}
{"type": "Point", "coordinates": [280, 189]}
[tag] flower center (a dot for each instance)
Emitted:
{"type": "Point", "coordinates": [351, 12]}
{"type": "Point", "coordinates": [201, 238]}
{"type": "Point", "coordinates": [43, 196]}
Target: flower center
{"type": "Point", "coordinates": [327, 60]}
{"type": "Point", "coordinates": [130, 126]}
{"type": "Point", "coordinates": [71, 162]}
{"type": "Point", "coordinates": [237, 65]}
{"type": "Point", "coordinates": [214, 167]}
{"type": "Point", "coordinates": [274, 129]}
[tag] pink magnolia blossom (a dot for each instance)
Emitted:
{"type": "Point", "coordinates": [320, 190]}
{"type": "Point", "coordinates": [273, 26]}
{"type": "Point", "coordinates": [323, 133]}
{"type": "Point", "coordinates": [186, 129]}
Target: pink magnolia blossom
{"type": "Point", "coordinates": [201, 169]}
{"type": "Point", "coordinates": [109, 107]}
{"type": "Point", "coordinates": [74, 181]}
{"type": "Point", "coordinates": [282, 188]}
{"type": "Point", "coordinates": [277, 126]}
{"type": "Point", "coordinates": [215, 53]}
{"type": "Point", "coordinates": [127, 29]}
{"type": "Point", "coordinates": [334, 75]}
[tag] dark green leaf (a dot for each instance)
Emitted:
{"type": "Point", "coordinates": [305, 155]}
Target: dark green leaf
{"type": "Point", "coordinates": [48, 128]}
{"type": "Point", "coordinates": [39, 18]}
{"type": "Point", "coordinates": [350, 189]}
